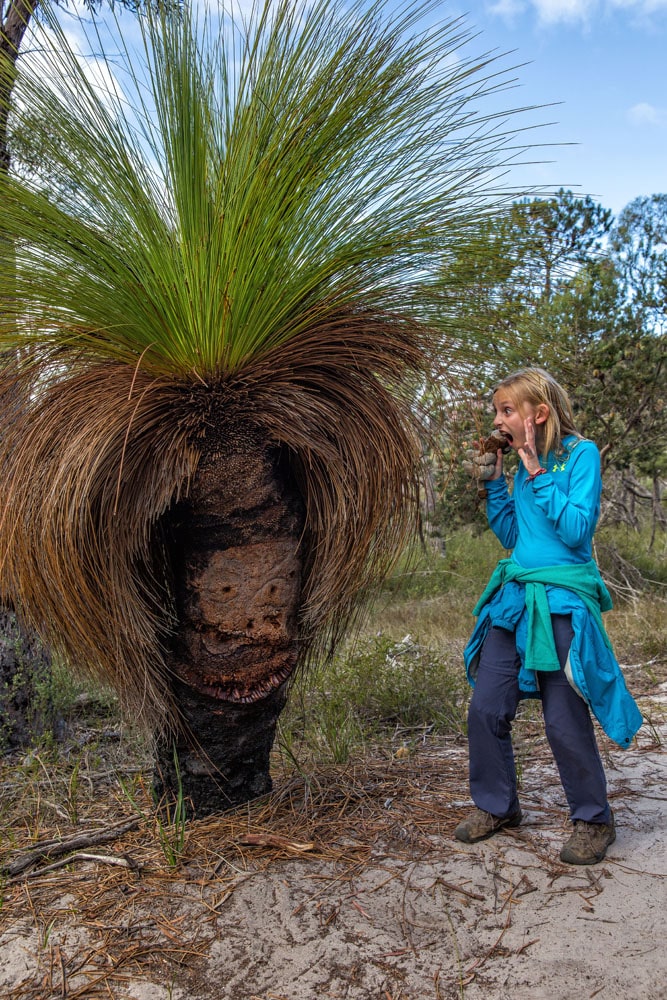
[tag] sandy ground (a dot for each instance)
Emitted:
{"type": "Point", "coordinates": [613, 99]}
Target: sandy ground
{"type": "Point", "coordinates": [497, 920]}
{"type": "Point", "coordinates": [386, 906]}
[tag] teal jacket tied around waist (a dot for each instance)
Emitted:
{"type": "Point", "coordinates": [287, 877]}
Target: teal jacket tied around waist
{"type": "Point", "coordinates": [582, 578]}
{"type": "Point", "coordinates": [523, 600]}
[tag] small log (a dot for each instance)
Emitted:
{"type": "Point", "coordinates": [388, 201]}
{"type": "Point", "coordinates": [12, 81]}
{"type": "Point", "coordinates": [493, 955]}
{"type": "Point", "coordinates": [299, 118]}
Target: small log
{"type": "Point", "coordinates": [57, 848]}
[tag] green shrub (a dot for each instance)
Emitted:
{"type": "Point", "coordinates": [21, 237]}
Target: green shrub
{"type": "Point", "coordinates": [467, 560]}
{"type": "Point", "coordinates": [374, 688]}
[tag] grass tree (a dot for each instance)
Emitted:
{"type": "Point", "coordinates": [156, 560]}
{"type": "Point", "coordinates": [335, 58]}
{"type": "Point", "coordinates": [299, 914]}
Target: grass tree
{"type": "Point", "coordinates": [208, 443]}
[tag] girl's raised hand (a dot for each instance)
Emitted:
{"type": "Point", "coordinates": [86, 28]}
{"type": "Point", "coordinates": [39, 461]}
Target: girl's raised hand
{"type": "Point", "coordinates": [528, 452]}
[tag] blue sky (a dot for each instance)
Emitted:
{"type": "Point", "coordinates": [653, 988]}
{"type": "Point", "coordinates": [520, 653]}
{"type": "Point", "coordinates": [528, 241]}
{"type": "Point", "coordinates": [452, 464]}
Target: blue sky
{"type": "Point", "coordinates": [606, 61]}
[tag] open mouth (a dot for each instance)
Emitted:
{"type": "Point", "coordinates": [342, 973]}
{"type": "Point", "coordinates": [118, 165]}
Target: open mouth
{"type": "Point", "coordinates": [253, 689]}
{"type": "Point", "coordinates": [499, 439]}
{"type": "Point", "coordinates": [241, 683]}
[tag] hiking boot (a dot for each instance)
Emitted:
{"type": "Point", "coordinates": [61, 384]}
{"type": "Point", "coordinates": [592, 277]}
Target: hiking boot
{"type": "Point", "coordinates": [479, 825]}
{"type": "Point", "coordinates": [589, 842]}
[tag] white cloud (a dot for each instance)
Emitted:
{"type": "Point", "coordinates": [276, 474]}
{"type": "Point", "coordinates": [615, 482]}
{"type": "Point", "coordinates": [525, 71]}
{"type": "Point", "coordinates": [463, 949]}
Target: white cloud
{"type": "Point", "coordinates": [551, 12]}
{"type": "Point", "coordinates": [641, 7]}
{"type": "Point", "coordinates": [508, 9]}
{"type": "Point", "coordinates": [41, 57]}
{"type": "Point", "coordinates": [647, 114]}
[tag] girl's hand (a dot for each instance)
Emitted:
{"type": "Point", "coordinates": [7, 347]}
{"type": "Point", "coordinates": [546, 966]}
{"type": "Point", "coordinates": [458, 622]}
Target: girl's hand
{"type": "Point", "coordinates": [483, 465]}
{"type": "Point", "coordinates": [528, 452]}
{"type": "Point", "coordinates": [498, 470]}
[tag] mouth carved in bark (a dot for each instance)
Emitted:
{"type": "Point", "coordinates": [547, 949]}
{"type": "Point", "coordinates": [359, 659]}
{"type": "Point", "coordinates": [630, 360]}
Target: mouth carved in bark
{"type": "Point", "coordinates": [240, 640]}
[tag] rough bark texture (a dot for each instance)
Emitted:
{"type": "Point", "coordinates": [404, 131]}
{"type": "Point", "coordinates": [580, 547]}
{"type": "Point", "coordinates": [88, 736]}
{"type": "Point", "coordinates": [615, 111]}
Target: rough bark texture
{"type": "Point", "coordinates": [14, 20]}
{"type": "Point", "coordinates": [26, 703]}
{"type": "Point", "coordinates": [237, 584]}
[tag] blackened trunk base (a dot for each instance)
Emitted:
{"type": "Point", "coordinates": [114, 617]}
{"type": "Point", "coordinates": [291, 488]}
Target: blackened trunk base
{"type": "Point", "coordinates": [226, 761]}
{"type": "Point", "coordinates": [27, 709]}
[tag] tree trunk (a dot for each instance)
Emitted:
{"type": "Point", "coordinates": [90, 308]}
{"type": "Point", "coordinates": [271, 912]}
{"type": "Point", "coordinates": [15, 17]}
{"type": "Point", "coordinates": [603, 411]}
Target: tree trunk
{"type": "Point", "coordinates": [26, 701]}
{"type": "Point", "coordinates": [25, 666]}
{"type": "Point", "coordinates": [657, 513]}
{"type": "Point", "coordinates": [14, 20]}
{"type": "Point", "coordinates": [236, 564]}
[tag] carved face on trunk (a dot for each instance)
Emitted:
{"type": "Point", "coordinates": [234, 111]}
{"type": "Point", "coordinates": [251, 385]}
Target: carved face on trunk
{"type": "Point", "coordinates": [241, 613]}
{"type": "Point", "coordinates": [238, 585]}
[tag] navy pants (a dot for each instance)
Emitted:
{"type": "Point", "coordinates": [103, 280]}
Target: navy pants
{"type": "Point", "coordinates": [567, 723]}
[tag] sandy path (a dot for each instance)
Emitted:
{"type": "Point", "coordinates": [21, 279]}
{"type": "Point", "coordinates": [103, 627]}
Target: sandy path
{"type": "Point", "coordinates": [503, 919]}
{"type": "Point", "coordinates": [407, 913]}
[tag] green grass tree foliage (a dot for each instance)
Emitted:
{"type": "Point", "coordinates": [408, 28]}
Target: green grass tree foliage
{"type": "Point", "coordinates": [218, 337]}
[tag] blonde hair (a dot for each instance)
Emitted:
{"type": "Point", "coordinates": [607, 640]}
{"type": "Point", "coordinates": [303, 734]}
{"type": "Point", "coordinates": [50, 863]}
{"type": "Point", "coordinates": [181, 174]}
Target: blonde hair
{"type": "Point", "coordinates": [536, 387]}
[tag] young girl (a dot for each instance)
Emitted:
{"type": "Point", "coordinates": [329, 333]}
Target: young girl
{"type": "Point", "coordinates": [539, 630]}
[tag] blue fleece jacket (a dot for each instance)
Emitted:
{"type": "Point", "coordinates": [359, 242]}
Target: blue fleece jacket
{"type": "Point", "coordinates": [551, 519]}
{"type": "Point", "coordinates": [549, 523]}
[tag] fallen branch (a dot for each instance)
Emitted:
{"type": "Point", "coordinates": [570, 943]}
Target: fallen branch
{"type": "Point", "coordinates": [274, 840]}
{"type": "Point", "coordinates": [459, 888]}
{"type": "Point", "coordinates": [120, 860]}
{"type": "Point", "coordinates": [56, 848]}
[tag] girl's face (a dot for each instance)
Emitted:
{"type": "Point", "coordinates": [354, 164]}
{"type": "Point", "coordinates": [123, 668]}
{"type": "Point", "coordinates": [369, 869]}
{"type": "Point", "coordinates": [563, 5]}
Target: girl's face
{"type": "Point", "coordinates": [510, 418]}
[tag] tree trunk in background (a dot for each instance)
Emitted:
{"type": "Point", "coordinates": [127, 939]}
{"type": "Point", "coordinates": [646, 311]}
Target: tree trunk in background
{"type": "Point", "coordinates": [658, 517]}
{"type": "Point", "coordinates": [25, 666]}
{"type": "Point", "coordinates": [14, 20]}
{"type": "Point", "coordinates": [236, 566]}
{"type": "Point", "coordinates": [26, 703]}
